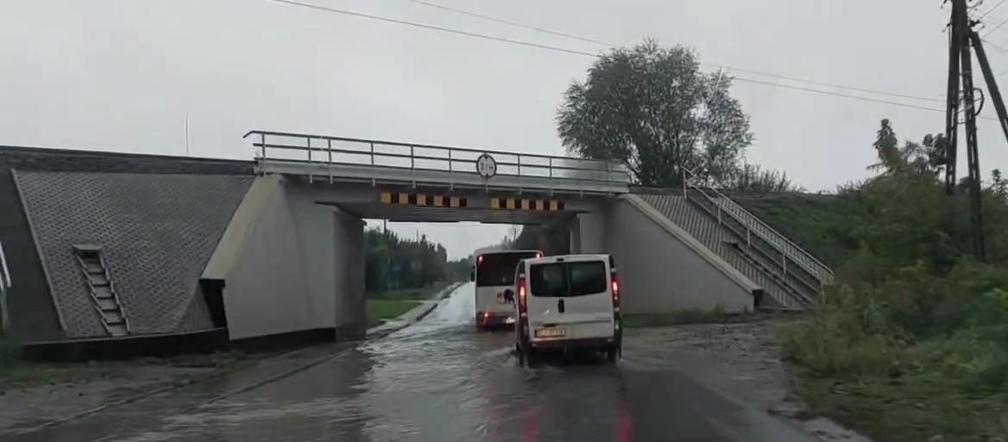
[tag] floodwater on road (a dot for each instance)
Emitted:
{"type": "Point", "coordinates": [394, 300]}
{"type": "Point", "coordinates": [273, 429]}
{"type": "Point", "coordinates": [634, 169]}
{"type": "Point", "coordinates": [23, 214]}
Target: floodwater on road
{"type": "Point", "coordinates": [441, 380]}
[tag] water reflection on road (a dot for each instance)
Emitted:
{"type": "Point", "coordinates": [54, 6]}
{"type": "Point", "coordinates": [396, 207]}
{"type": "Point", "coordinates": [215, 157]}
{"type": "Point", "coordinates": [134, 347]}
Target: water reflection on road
{"type": "Point", "coordinates": [441, 380]}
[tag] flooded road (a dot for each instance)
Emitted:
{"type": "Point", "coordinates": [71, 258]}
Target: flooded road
{"type": "Point", "coordinates": [441, 380]}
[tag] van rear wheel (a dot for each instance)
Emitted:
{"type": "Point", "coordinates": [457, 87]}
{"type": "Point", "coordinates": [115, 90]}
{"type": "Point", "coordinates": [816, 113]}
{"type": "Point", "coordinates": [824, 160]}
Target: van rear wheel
{"type": "Point", "coordinates": [524, 356]}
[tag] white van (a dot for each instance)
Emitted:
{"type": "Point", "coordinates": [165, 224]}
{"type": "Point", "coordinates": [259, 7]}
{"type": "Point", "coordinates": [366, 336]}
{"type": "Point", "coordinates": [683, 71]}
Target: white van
{"type": "Point", "coordinates": [568, 302]}
{"type": "Point", "coordinates": [493, 273]}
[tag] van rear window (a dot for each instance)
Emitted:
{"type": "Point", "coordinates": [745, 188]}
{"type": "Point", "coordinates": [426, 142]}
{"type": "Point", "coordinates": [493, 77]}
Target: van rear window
{"type": "Point", "coordinates": [560, 279]}
{"type": "Point", "coordinates": [587, 278]}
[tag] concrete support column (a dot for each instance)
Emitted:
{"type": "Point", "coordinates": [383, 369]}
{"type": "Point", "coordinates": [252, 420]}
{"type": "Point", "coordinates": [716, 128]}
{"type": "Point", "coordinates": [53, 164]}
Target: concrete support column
{"type": "Point", "coordinates": [351, 317]}
{"type": "Point", "coordinates": [588, 233]}
{"type": "Point", "coordinates": [574, 229]}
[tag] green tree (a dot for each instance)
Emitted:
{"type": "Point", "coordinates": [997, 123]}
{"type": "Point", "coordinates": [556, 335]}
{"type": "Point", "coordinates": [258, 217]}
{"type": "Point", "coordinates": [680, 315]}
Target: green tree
{"type": "Point", "coordinates": [926, 157]}
{"type": "Point", "coordinates": [392, 263]}
{"type": "Point", "coordinates": [654, 110]}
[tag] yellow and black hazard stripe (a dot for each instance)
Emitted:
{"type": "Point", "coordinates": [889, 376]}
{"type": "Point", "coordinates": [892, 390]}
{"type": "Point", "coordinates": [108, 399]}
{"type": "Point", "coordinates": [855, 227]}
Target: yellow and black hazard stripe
{"type": "Point", "coordinates": [423, 199]}
{"type": "Point", "coordinates": [526, 204]}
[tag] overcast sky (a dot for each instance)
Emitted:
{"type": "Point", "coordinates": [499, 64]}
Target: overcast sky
{"type": "Point", "coordinates": [122, 75]}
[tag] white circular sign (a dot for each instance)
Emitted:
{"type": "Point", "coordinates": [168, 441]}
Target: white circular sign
{"type": "Point", "coordinates": [486, 166]}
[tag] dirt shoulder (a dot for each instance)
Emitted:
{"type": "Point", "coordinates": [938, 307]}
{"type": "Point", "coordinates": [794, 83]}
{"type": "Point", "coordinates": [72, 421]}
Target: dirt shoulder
{"type": "Point", "coordinates": [740, 359]}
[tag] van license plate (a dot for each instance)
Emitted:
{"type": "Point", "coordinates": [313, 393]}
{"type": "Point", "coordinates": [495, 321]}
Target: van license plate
{"type": "Point", "coordinates": [551, 332]}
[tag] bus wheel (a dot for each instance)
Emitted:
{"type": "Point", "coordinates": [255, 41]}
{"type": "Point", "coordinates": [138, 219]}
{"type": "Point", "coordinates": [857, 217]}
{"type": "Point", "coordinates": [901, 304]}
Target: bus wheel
{"type": "Point", "coordinates": [613, 354]}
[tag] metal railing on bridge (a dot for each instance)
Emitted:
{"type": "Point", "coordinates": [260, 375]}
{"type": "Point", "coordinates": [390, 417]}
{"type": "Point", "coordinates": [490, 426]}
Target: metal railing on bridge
{"type": "Point", "coordinates": [754, 226]}
{"type": "Point", "coordinates": [377, 161]}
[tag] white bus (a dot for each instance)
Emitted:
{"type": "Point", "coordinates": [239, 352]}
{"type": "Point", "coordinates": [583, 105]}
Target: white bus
{"type": "Point", "coordinates": [494, 273]}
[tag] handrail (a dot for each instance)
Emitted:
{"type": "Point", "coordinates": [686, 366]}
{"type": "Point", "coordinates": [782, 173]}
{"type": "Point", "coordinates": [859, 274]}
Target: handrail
{"type": "Point", "coordinates": [787, 247]}
{"type": "Point", "coordinates": [5, 285]}
{"type": "Point", "coordinates": [5, 278]}
{"type": "Point", "coordinates": [320, 150]}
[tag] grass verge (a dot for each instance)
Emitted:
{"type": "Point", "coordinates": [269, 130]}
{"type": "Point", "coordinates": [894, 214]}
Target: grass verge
{"type": "Point", "coordinates": [919, 407]}
{"type": "Point", "coordinates": [381, 310]}
{"type": "Point", "coordinates": [912, 356]}
{"type": "Point", "coordinates": [410, 294]}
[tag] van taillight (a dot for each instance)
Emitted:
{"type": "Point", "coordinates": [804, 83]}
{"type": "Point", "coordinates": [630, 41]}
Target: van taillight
{"type": "Point", "coordinates": [522, 297]}
{"type": "Point", "coordinates": [615, 289]}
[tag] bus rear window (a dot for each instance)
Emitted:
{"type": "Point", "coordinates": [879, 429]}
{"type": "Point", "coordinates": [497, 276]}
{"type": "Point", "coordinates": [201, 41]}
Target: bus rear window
{"type": "Point", "coordinates": [568, 279]}
{"type": "Point", "coordinates": [498, 269]}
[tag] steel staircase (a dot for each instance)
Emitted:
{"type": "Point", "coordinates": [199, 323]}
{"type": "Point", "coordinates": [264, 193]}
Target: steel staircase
{"type": "Point", "coordinates": [102, 289]}
{"type": "Point", "coordinates": [799, 276]}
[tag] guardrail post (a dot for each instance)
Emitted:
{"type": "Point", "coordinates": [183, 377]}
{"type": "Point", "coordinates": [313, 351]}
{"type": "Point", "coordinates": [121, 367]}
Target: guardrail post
{"type": "Point", "coordinates": [519, 174]}
{"type": "Point", "coordinates": [551, 175]}
{"type": "Point", "coordinates": [451, 181]}
{"type": "Point", "coordinates": [310, 174]}
{"type": "Point", "coordinates": [329, 151]}
{"type": "Point", "coordinates": [262, 146]}
{"type": "Point", "coordinates": [412, 165]}
{"type": "Point", "coordinates": [374, 181]}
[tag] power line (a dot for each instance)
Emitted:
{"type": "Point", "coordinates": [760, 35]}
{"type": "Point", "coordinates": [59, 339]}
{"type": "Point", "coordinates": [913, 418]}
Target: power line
{"type": "Point", "coordinates": [1002, 2]}
{"type": "Point", "coordinates": [433, 27]}
{"type": "Point", "coordinates": [995, 46]}
{"type": "Point", "coordinates": [819, 83]}
{"type": "Point", "coordinates": [839, 94]}
{"type": "Point", "coordinates": [733, 68]}
{"type": "Point", "coordinates": [843, 95]}
{"type": "Point", "coordinates": [995, 28]}
{"type": "Point", "coordinates": [582, 53]}
{"type": "Point", "coordinates": [513, 23]}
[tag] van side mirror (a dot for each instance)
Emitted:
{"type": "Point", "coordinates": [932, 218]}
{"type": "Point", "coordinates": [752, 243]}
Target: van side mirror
{"type": "Point", "coordinates": [472, 275]}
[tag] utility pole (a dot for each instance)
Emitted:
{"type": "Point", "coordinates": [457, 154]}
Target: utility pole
{"type": "Point", "coordinates": [962, 37]}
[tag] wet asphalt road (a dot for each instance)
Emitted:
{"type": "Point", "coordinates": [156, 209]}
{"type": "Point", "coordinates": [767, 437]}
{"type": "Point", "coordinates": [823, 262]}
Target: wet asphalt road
{"type": "Point", "coordinates": [440, 380]}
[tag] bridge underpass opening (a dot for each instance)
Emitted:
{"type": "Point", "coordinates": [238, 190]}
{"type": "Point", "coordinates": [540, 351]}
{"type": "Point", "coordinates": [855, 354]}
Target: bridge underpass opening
{"type": "Point", "coordinates": [476, 224]}
{"type": "Point", "coordinates": [413, 265]}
